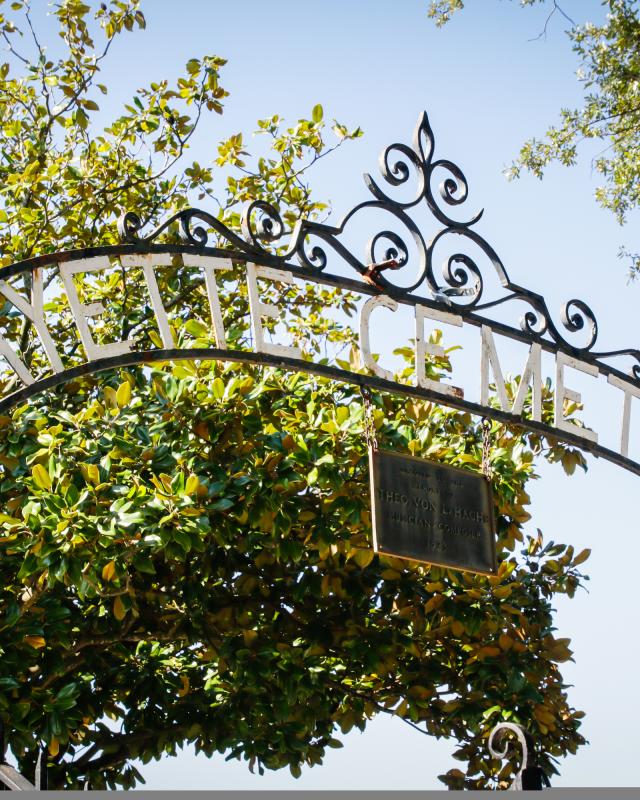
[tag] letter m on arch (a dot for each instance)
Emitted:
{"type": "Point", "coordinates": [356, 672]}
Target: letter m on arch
{"type": "Point", "coordinates": [531, 376]}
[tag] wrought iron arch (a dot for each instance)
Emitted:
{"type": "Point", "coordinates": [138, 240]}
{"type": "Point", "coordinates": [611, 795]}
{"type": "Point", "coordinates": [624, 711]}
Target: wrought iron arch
{"type": "Point", "coordinates": [305, 253]}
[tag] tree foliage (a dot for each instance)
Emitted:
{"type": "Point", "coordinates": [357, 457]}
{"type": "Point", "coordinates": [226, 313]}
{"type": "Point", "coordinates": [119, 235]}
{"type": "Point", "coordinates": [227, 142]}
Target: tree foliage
{"type": "Point", "coordinates": [186, 549]}
{"type": "Point", "coordinates": [609, 58]}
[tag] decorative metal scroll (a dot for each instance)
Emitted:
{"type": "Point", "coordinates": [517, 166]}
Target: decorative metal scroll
{"type": "Point", "coordinates": [530, 775]}
{"type": "Point", "coordinates": [461, 284]}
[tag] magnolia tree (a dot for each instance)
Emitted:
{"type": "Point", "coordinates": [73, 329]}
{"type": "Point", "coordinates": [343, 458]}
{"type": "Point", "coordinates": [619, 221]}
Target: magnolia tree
{"type": "Point", "coordinates": [186, 549]}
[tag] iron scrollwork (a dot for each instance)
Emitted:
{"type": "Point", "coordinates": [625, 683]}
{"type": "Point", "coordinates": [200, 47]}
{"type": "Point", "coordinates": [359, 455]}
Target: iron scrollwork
{"type": "Point", "coordinates": [461, 285]}
{"type": "Point", "coordinates": [530, 775]}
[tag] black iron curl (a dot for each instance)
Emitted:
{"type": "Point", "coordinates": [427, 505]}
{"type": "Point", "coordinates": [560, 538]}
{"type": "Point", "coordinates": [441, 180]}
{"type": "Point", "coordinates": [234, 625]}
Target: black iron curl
{"type": "Point", "coordinates": [456, 189]}
{"type": "Point", "coordinates": [575, 315]}
{"type": "Point", "coordinates": [129, 225]}
{"type": "Point", "coordinates": [261, 222]}
{"type": "Point", "coordinates": [396, 173]}
{"type": "Point", "coordinates": [534, 322]}
{"type": "Point", "coordinates": [397, 250]}
{"type": "Point", "coordinates": [195, 235]}
{"type": "Point", "coordinates": [457, 271]}
{"type": "Point", "coordinates": [315, 257]}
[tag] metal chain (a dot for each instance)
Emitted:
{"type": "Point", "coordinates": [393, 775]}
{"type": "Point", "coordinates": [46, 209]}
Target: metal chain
{"type": "Point", "coordinates": [486, 448]}
{"type": "Point", "coordinates": [370, 433]}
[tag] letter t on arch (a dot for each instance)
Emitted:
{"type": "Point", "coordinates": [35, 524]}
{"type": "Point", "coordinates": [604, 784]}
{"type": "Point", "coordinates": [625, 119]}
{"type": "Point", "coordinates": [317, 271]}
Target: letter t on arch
{"type": "Point", "coordinates": [629, 391]}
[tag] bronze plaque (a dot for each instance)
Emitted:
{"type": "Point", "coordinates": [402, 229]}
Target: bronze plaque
{"type": "Point", "coordinates": [431, 512]}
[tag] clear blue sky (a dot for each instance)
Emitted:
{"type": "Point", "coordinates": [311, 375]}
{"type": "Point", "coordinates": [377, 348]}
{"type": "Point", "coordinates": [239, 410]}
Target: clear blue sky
{"type": "Point", "coordinates": [487, 87]}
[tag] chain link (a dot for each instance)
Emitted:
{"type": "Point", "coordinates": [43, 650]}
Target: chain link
{"type": "Point", "coordinates": [486, 448]}
{"type": "Point", "coordinates": [370, 433]}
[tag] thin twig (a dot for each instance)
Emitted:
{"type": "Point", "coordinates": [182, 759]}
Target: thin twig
{"type": "Point", "coordinates": [543, 32]}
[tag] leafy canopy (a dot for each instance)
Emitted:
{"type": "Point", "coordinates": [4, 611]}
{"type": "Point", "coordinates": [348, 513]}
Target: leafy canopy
{"type": "Point", "coordinates": [609, 56]}
{"type": "Point", "coordinates": [186, 549]}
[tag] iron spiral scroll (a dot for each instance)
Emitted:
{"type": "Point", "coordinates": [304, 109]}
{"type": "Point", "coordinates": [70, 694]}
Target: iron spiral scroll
{"type": "Point", "coordinates": [529, 775]}
{"type": "Point", "coordinates": [461, 283]}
